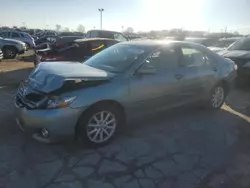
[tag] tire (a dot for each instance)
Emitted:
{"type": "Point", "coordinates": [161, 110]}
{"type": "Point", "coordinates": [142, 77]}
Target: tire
{"type": "Point", "coordinates": [88, 131]}
{"type": "Point", "coordinates": [217, 97]}
{"type": "Point", "coordinates": [9, 52]}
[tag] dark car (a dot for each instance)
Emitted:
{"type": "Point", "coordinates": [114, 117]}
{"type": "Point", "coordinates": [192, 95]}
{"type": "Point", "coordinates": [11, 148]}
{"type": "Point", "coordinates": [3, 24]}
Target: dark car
{"type": "Point", "coordinates": [203, 41]}
{"type": "Point", "coordinates": [223, 44]}
{"type": "Point", "coordinates": [239, 52]}
{"type": "Point", "coordinates": [43, 39]}
{"type": "Point", "coordinates": [79, 50]}
{"type": "Point", "coordinates": [56, 42]}
{"type": "Point", "coordinates": [93, 100]}
{"type": "Point", "coordinates": [106, 34]}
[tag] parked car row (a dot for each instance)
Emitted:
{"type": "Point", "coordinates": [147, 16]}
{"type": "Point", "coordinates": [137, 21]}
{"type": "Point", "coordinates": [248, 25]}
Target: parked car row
{"type": "Point", "coordinates": [11, 47]}
{"type": "Point", "coordinates": [75, 48]}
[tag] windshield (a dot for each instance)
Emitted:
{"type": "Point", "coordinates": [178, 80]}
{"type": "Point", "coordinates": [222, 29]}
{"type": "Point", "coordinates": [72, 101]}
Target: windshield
{"type": "Point", "coordinates": [224, 43]}
{"type": "Point", "coordinates": [243, 44]}
{"type": "Point", "coordinates": [116, 58]}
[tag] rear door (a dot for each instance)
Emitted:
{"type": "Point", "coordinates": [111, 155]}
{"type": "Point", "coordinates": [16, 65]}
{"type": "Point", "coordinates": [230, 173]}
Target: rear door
{"type": "Point", "coordinates": [199, 72]}
{"type": "Point", "coordinates": [14, 35]}
{"type": "Point", "coordinates": [160, 89]}
{"type": "Point", "coordinates": [5, 34]}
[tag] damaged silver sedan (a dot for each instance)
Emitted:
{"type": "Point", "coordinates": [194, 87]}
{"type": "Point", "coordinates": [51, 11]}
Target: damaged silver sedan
{"type": "Point", "coordinates": [93, 100]}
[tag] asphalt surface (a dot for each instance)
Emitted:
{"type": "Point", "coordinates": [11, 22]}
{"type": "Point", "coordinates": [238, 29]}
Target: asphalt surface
{"type": "Point", "coordinates": [180, 148]}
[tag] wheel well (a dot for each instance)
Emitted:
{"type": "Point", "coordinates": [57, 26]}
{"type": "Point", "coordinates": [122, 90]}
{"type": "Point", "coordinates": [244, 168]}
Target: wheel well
{"type": "Point", "coordinates": [225, 84]}
{"type": "Point", "coordinates": [9, 46]}
{"type": "Point", "coordinates": [107, 102]}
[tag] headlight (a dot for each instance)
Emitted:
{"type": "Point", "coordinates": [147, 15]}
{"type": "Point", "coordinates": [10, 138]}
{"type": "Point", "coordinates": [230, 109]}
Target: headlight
{"type": "Point", "coordinates": [247, 65]}
{"type": "Point", "coordinates": [59, 102]}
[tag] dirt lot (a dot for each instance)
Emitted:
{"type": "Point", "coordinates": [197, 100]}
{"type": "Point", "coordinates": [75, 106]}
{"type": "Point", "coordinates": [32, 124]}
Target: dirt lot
{"type": "Point", "coordinates": [183, 148]}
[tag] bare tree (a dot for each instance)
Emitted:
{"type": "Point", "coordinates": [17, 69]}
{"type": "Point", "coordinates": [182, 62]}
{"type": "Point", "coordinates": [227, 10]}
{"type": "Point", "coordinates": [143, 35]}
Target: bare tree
{"type": "Point", "coordinates": [81, 28]}
{"type": "Point", "coordinates": [58, 27]}
{"type": "Point", "coordinates": [129, 30]}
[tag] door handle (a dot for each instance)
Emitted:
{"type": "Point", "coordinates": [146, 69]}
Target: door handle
{"type": "Point", "coordinates": [214, 69]}
{"type": "Point", "coordinates": [178, 76]}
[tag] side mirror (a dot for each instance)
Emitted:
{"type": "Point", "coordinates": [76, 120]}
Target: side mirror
{"type": "Point", "coordinates": [146, 70]}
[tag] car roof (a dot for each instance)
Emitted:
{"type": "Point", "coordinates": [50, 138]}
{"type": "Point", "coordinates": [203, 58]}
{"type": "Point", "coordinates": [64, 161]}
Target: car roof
{"type": "Point", "coordinates": [158, 43]}
{"type": "Point", "coordinates": [99, 30]}
{"type": "Point", "coordinates": [93, 39]}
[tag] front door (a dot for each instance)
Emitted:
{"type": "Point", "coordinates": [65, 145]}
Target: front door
{"type": "Point", "coordinates": [158, 87]}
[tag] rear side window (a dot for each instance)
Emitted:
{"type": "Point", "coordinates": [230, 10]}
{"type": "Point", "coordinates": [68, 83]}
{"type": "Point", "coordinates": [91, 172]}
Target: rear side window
{"type": "Point", "coordinates": [105, 34]}
{"type": "Point", "coordinates": [93, 34]}
{"type": "Point", "coordinates": [14, 34]}
{"type": "Point", "coordinates": [193, 57]}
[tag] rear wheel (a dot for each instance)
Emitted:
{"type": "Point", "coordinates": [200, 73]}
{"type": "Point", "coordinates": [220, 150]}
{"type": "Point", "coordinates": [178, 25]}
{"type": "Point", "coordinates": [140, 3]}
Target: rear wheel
{"type": "Point", "coordinates": [99, 125]}
{"type": "Point", "coordinates": [9, 52]}
{"type": "Point", "coordinates": [217, 97]}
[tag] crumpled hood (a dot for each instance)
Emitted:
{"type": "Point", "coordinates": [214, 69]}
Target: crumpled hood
{"type": "Point", "coordinates": [47, 76]}
{"type": "Point", "coordinates": [235, 54]}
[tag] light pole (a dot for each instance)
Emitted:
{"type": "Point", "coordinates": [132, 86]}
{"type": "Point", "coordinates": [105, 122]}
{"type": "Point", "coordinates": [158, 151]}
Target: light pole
{"type": "Point", "coordinates": [101, 10]}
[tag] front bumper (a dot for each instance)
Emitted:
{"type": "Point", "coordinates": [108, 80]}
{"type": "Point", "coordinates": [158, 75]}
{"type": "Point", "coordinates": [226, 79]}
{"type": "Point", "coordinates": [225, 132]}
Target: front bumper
{"type": "Point", "coordinates": [60, 123]}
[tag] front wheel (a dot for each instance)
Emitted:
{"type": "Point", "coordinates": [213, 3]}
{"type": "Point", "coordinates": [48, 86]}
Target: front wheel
{"type": "Point", "coordinates": [9, 52]}
{"type": "Point", "coordinates": [99, 125]}
{"type": "Point", "coordinates": [217, 97]}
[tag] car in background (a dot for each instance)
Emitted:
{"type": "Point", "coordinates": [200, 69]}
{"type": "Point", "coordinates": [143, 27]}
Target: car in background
{"type": "Point", "coordinates": [43, 39]}
{"type": "Point", "coordinates": [239, 52]}
{"type": "Point", "coordinates": [17, 35]}
{"type": "Point", "coordinates": [94, 99]}
{"type": "Point", "coordinates": [44, 33]}
{"type": "Point", "coordinates": [72, 34]}
{"type": "Point", "coordinates": [11, 47]}
{"type": "Point", "coordinates": [106, 34]}
{"type": "Point", "coordinates": [79, 50]}
{"type": "Point", "coordinates": [55, 42]}
{"type": "Point", "coordinates": [224, 43]}
{"type": "Point", "coordinates": [203, 41]}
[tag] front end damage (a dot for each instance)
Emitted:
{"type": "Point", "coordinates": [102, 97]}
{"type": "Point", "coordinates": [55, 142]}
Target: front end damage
{"type": "Point", "coordinates": [44, 113]}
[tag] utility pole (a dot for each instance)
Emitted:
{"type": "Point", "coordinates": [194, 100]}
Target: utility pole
{"type": "Point", "coordinates": [101, 10]}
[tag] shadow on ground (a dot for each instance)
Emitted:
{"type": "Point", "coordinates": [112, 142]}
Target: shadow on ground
{"type": "Point", "coordinates": [14, 77]}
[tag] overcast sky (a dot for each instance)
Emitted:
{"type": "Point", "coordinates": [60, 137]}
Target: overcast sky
{"type": "Point", "coordinates": [142, 15]}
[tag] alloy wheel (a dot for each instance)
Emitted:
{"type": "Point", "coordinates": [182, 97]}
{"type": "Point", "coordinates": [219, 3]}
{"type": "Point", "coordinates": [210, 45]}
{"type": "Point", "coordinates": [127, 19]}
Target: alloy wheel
{"type": "Point", "coordinates": [9, 53]}
{"type": "Point", "coordinates": [101, 126]}
{"type": "Point", "coordinates": [218, 97]}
